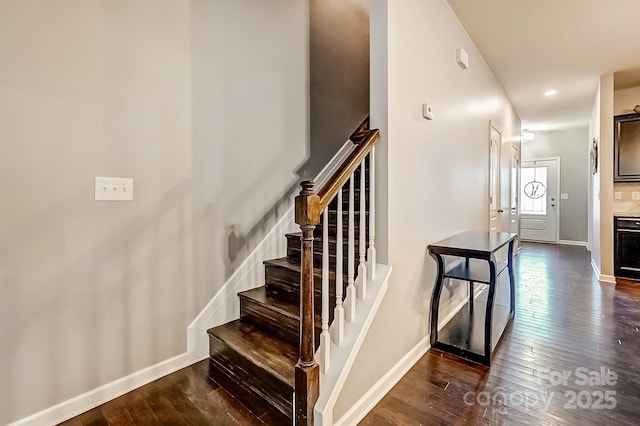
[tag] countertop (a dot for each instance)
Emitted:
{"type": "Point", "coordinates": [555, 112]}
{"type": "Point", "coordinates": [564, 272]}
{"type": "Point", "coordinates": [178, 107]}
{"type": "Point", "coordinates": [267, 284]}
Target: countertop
{"type": "Point", "coordinates": [627, 214]}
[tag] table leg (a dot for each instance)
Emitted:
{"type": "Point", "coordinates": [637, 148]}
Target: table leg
{"type": "Point", "coordinates": [488, 319]}
{"type": "Point", "coordinates": [512, 285]}
{"type": "Point", "coordinates": [435, 298]}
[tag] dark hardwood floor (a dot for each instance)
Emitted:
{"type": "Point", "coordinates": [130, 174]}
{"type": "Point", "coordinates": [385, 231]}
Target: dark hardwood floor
{"type": "Point", "coordinates": [186, 397]}
{"type": "Point", "coordinates": [565, 320]}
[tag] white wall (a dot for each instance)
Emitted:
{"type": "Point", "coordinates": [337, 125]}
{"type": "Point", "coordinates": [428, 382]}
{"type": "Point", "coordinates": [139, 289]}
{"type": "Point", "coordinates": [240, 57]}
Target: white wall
{"type": "Point", "coordinates": [204, 103]}
{"type": "Point", "coordinates": [572, 147]}
{"type": "Point", "coordinates": [606, 174]}
{"type": "Point", "coordinates": [594, 187]}
{"type": "Point", "coordinates": [601, 126]}
{"type": "Point", "coordinates": [625, 100]}
{"type": "Point", "coordinates": [437, 183]}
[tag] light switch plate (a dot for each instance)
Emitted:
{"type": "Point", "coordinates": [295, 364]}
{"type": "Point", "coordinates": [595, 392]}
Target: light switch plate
{"type": "Point", "coordinates": [635, 195]}
{"type": "Point", "coordinates": [113, 189]}
{"type": "Point", "coordinates": [617, 195]}
{"type": "Point", "coordinates": [564, 196]}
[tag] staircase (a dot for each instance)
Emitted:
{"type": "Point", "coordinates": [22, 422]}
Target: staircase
{"type": "Point", "coordinates": [255, 356]}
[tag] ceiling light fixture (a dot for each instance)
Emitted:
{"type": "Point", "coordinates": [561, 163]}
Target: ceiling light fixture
{"type": "Point", "coordinates": [551, 92]}
{"type": "Point", "coordinates": [528, 136]}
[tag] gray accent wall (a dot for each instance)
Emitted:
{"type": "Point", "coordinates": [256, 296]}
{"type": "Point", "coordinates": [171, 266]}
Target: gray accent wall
{"type": "Point", "coordinates": [572, 146]}
{"type": "Point", "coordinates": [205, 104]}
{"type": "Point", "coordinates": [339, 75]}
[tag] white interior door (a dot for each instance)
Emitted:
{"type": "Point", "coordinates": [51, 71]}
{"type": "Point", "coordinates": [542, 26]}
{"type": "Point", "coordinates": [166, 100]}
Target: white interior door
{"type": "Point", "coordinates": [539, 200]}
{"type": "Point", "coordinates": [514, 214]}
{"type": "Point", "coordinates": [494, 181]}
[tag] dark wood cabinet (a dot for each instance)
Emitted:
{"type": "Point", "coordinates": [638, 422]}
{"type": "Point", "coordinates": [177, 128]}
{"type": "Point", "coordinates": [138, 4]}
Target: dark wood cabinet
{"type": "Point", "coordinates": [627, 247]}
{"type": "Point", "coordinates": [626, 148]}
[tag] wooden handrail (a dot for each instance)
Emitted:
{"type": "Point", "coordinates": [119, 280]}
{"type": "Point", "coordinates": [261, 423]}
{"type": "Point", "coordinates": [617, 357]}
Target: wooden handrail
{"type": "Point", "coordinates": [310, 203]}
{"type": "Point", "coordinates": [346, 169]}
{"type": "Point", "coordinates": [308, 208]}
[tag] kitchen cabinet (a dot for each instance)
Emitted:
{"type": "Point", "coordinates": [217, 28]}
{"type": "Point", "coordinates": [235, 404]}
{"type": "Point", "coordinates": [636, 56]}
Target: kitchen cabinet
{"type": "Point", "coordinates": [627, 247]}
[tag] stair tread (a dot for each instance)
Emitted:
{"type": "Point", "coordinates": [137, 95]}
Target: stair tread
{"type": "Point", "coordinates": [280, 304]}
{"type": "Point", "coordinates": [276, 356]}
{"type": "Point", "coordinates": [294, 265]}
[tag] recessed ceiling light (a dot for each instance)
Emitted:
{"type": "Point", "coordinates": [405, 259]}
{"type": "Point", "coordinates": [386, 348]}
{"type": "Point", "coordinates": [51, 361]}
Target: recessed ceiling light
{"type": "Point", "coordinates": [550, 92]}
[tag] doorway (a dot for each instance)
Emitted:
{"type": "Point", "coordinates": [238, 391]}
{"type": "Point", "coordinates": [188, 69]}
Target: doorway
{"type": "Point", "coordinates": [494, 180]}
{"type": "Point", "coordinates": [539, 200]}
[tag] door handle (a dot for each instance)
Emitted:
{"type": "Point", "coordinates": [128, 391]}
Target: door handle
{"type": "Point", "coordinates": [553, 205]}
{"type": "Point", "coordinates": [500, 210]}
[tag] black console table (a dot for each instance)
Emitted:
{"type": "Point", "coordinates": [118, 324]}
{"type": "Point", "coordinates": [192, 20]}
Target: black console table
{"type": "Point", "coordinates": [471, 333]}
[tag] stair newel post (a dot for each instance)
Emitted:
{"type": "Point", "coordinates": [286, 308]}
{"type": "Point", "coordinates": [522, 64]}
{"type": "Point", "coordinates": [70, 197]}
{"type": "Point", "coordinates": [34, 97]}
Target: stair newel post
{"type": "Point", "coordinates": [338, 317]}
{"type": "Point", "coordinates": [307, 381]}
{"type": "Point", "coordinates": [371, 251]}
{"type": "Point", "coordinates": [362, 267]}
{"type": "Point", "coordinates": [350, 306]}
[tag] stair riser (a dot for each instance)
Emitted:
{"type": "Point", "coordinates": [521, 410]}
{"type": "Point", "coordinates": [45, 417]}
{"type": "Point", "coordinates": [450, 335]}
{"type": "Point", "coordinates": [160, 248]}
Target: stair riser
{"type": "Point", "coordinates": [345, 217]}
{"type": "Point", "coordinates": [289, 281]}
{"type": "Point", "coordinates": [290, 292]}
{"type": "Point", "coordinates": [345, 201]}
{"type": "Point", "coordinates": [333, 230]}
{"type": "Point", "coordinates": [274, 322]}
{"type": "Point", "coordinates": [294, 243]}
{"type": "Point", "coordinates": [317, 258]}
{"type": "Point", "coordinates": [228, 365]}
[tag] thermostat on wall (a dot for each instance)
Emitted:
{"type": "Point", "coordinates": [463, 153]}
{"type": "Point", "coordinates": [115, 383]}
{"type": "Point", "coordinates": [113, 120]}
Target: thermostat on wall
{"type": "Point", "coordinates": [427, 111]}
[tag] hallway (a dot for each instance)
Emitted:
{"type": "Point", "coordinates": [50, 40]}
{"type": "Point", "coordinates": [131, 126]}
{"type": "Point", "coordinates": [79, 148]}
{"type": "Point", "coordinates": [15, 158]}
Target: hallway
{"type": "Point", "coordinates": [564, 320]}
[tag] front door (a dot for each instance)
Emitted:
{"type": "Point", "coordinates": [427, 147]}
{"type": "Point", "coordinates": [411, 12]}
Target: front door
{"type": "Point", "coordinates": [539, 200]}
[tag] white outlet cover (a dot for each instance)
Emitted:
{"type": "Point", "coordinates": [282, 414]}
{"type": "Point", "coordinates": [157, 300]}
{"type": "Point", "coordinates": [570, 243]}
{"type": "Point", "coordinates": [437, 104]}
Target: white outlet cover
{"type": "Point", "coordinates": [113, 189]}
{"type": "Point", "coordinates": [617, 195]}
{"type": "Point", "coordinates": [564, 196]}
{"type": "Point", "coordinates": [635, 195]}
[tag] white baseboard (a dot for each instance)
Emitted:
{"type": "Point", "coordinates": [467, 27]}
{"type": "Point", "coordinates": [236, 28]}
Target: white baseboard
{"type": "Point", "coordinates": [607, 279]}
{"type": "Point", "coordinates": [225, 306]}
{"type": "Point", "coordinates": [457, 301]}
{"type": "Point", "coordinates": [369, 400]}
{"type": "Point", "coordinates": [595, 268]}
{"type": "Point", "coordinates": [384, 385]}
{"type": "Point", "coordinates": [81, 403]}
{"type": "Point", "coordinates": [343, 356]}
{"type": "Point", "coordinates": [572, 243]}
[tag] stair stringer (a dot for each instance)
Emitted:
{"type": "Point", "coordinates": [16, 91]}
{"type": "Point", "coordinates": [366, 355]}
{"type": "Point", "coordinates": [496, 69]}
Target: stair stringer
{"type": "Point", "coordinates": [343, 356]}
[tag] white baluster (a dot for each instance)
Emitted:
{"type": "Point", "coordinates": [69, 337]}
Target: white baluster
{"type": "Point", "coordinates": [324, 351]}
{"type": "Point", "coordinates": [371, 252]}
{"type": "Point", "coordinates": [362, 267]}
{"type": "Point", "coordinates": [350, 309]}
{"type": "Point", "coordinates": [337, 327]}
